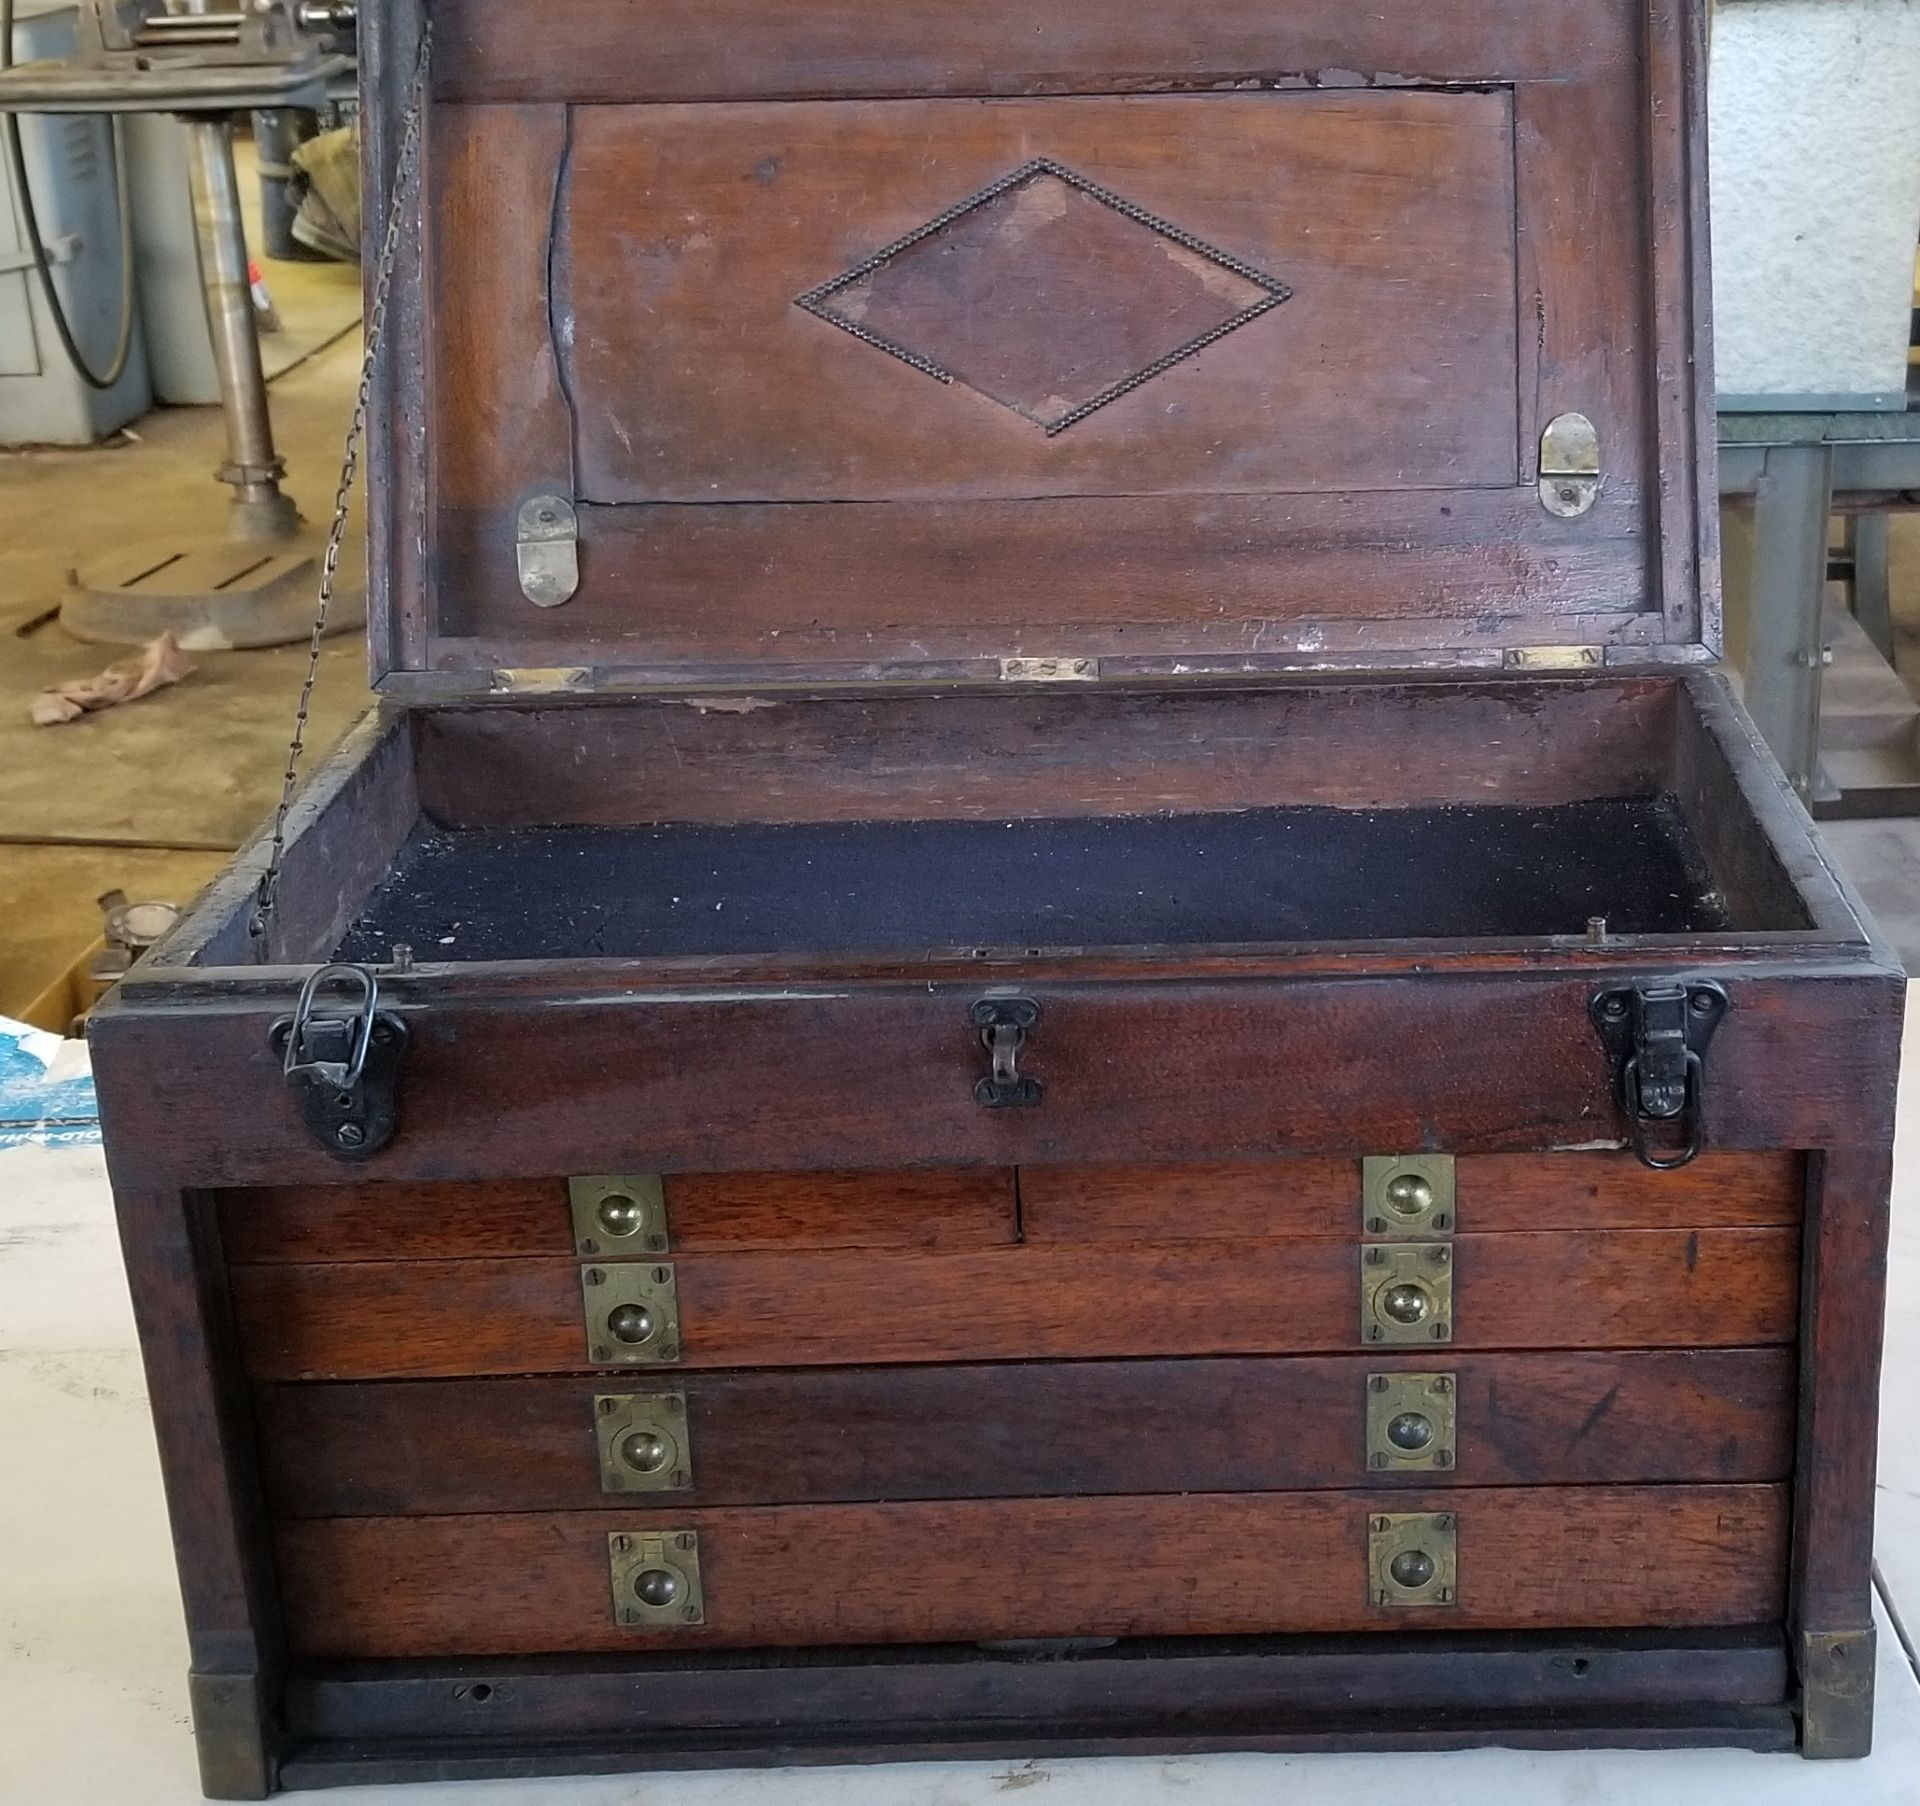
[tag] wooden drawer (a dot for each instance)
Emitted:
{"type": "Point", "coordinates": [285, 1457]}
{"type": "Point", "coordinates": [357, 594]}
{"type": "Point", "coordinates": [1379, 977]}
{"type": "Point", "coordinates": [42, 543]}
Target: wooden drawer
{"type": "Point", "coordinates": [1646, 1288]}
{"type": "Point", "coordinates": [1252, 1199]}
{"type": "Point", "coordinates": [927, 1208]}
{"type": "Point", "coordinates": [439, 1447]}
{"type": "Point", "coordinates": [1202, 1565]}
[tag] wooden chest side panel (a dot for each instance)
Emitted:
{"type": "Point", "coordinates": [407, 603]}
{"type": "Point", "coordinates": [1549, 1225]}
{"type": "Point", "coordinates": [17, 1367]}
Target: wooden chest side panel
{"type": "Point", "coordinates": [1495, 1192]}
{"type": "Point", "coordinates": [930, 1208]}
{"type": "Point", "coordinates": [434, 1447]}
{"type": "Point", "coordinates": [1204, 1565]}
{"type": "Point", "coordinates": [1596, 1289]}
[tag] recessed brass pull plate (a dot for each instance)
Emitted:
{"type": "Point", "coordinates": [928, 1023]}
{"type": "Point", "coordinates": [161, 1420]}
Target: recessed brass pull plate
{"type": "Point", "coordinates": [1406, 1292]}
{"type": "Point", "coordinates": [643, 1439]}
{"type": "Point", "coordinates": [1413, 1559]}
{"type": "Point", "coordinates": [1404, 1195]}
{"type": "Point", "coordinates": [632, 1313]}
{"type": "Point", "coordinates": [618, 1214]}
{"type": "Point", "coordinates": [1410, 1422]}
{"type": "Point", "coordinates": [656, 1578]}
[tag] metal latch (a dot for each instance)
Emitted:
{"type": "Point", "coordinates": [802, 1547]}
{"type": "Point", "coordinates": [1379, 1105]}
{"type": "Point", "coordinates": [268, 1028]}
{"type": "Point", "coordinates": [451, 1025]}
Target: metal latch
{"type": "Point", "coordinates": [1004, 1024]}
{"type": "Point", "coordinates": [1569, 466]}
{"type": "Point", "coordinates": [546, 546]}
{"type": "Point", "coordinates": [1657, 1036]}
{"type": "Point", "coordinates": [343, 1063]}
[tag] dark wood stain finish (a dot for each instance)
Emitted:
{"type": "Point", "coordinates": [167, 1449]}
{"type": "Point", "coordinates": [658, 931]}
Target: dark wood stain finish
{"type": "Point", "coordinates": [1196, 1566]}
{"type": "Point", "coordinates": [1595, 1289]}
{"type": "Point", "coordinates": [1305, 563]}
{"type": "Point", "coordinates": [1026, 1430]}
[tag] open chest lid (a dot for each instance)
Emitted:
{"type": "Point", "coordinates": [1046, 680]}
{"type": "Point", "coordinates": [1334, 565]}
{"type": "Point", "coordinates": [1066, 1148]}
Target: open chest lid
{"type": "Point", "coordinates": [742, 342]}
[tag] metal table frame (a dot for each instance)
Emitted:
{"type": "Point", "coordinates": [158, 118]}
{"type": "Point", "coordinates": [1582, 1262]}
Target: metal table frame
{"type": "Point", "coordinates": [1796, 467]}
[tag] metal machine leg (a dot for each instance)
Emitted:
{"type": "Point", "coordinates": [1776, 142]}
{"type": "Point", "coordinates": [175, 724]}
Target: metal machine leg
{"type": "Point", "coordinates": [1871, 587]}
{"type": "Point", "coordinates": [1792, 500]}
{"type": "Point", "coordinates": [259, 509]}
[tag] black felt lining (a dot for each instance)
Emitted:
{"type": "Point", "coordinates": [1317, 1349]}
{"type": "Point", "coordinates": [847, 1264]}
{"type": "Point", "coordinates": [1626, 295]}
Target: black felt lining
{"type": "Point", "coordinates": [1261, 875]}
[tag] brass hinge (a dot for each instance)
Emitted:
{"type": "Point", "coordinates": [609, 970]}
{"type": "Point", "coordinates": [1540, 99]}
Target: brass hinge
{"type": "Point", "coordinates": [618, 1213]}
{"type": "Point", "coordinates": [1569, 466]}
{"type": "Point", "coordinates": [1406, 1195]}
{"type": "Point", "coordinates": [546, 548]}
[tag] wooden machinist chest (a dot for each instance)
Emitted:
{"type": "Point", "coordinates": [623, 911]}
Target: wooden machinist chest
{"type": "Point", "coordinates": [1055, 1010]}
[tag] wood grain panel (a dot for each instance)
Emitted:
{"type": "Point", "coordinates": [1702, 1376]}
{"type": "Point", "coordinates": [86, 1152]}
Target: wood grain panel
{"type": "Point", "coordinates": [734, 49]}
{"type": "Point", "coordinates": [934, 1208]}
{"type": "Point", "coordinates": [1307, 1196]}
{"type": "Point", "coordinates": [1205, 1565]}
{"type": "Point", "coordinates": [697, 378]}
{"type": "Point", "coordinates": [1059, 1428]}
{"type": "Point", "coordinates": [1228, 576]}
{"type": "Point", "coordinates": [1598, 1289]}
{"type": "Point", "coordinates": [1012, 756]}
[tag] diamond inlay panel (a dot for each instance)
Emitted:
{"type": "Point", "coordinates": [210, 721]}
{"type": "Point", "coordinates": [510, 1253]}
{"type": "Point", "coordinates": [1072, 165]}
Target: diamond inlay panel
{"type": "Point", "coordinates": [1047, 293]}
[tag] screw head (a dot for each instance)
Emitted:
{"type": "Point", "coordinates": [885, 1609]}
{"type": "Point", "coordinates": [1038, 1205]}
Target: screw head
{"type": "Point", "coordinates": [350, 1135]}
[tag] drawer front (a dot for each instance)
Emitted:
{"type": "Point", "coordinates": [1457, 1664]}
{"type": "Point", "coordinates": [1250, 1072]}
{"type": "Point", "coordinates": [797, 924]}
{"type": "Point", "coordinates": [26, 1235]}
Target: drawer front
{"type": "Point", "coordinates": [1204, 1565]}
{"type": "Point", "coordinates": [450, 1318]}
{"type": "Point", "coordinates": [441, 1447]}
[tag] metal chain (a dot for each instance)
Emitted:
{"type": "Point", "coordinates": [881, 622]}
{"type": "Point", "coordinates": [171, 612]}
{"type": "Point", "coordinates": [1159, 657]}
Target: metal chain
{"type": "Point", "coordinates": [406, 165]}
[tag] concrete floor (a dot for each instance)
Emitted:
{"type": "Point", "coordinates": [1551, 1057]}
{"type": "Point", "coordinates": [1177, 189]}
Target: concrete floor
{"type": "Point", "coordinates": [150, 798]}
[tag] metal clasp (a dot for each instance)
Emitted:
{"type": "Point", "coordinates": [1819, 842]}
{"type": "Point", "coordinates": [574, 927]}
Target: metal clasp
{"type": "Point", "coordinates": [1004, 1023]}
{"type": "Point", "coordinates": [546, 550]}
{"type": "Point", "coordinates": [1658, 1035]}
{"type": "Point", "coordinates": [343, 1064]}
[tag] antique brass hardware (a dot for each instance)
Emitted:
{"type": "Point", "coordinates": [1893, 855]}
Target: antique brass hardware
{"type": "Point", "coordinates": [1410, 1421]}
{"type": "Point", "coordinates": [1569, 466]}
{"type": "Point", "coordinates": [1004, 1024]}
{"type": "Point", "coordinates": [1406, 1292]}
{"type": "Point", "coordinates": [632, 1313]}
{"type": "Point", "coordinates": [1056, 670]}
{"type": "Point", "coordinates": [341, 1059]}
{"type": "Point", "coordinates": [1553, 658]}
{"type": "Point", "coordinates": [644, 1445]}
{"type": "Point", "coordinates": [656, 1578]}
{"type": "Point", "coordinates": [1413, 1558]}
{"type": "Point", "coordinates": [618, 1213]}
{"type": "Point", "coordinates": [546, 548]}
{"type": "Point", "coordinates": [1657, 1035]}
{"type": "Point", "coordinates": [1407, 1194]}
